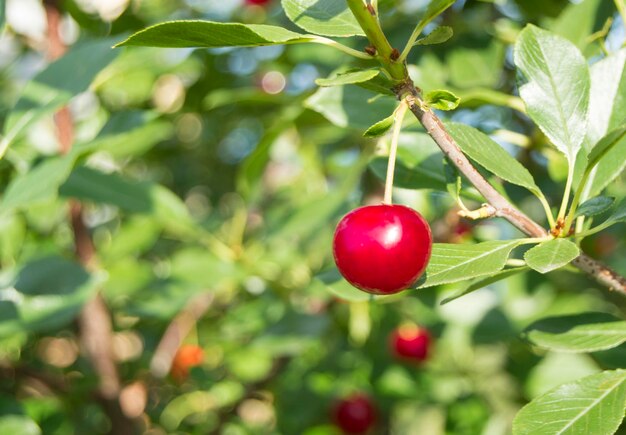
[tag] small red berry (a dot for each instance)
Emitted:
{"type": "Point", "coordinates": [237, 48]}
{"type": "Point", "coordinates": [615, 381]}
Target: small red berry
{"type": "Point", "coordinates": [410, 343]}
{"type": "Point", "coordinates": [355, 414]}
{"type": "Point", "coordinates": [382, 249]}
{"type": "Point", "coordinates": [258, 2]}
{"type": "Point", "coordinates": [187, 356]}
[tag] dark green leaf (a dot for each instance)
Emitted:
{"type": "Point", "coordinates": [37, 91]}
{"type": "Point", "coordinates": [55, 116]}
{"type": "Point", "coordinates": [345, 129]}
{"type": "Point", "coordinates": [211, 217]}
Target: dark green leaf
{"type": "Point", "coordinates": [595, 206]}
{"type": "Point", "coordinates": [89, 184]}
{"type": "Point", "coordinates": [209, 34]}
{"type": "Point", "coordinates": [46, 294]}
{"type": "Point", "coordinates": [484, 282]}
{"type": "Point", "coordinates": [38, 185]}
{"type": "Point", "coordinates": [51, 88]}
{"type": "Point", "coordinates": [323, 17]}
{"type": "Point", "coordinates": [490, 155]}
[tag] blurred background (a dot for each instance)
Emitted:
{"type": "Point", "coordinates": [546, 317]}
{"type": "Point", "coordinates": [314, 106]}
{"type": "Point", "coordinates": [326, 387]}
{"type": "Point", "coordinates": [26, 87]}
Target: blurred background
{"type": "Point", "coordinates": [180, 197]}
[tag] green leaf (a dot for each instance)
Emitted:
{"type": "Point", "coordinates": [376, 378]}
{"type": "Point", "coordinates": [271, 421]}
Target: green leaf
{"type": "Point", "coordinates": [435, 8]}
{"type": "Point", "coordinates": [418, 163]}
{"type": "Point", "coordinates": [418, 166]}
{"type": "Point", "coordinates": [39, 185]}
{"type": "Point", "coordinates": [490, 155]}
{"type": "Point", "coordinates": [551, 255]}
{"type": "Point", "coordinates": [595, 206]}
{"type": "Point", "coordinates": [554, 83]}
{"type": "Point", "coordinates": [438, 36]}
{"type": "Point", "coordinates": [18, 424]}
{"type": "Point", "coordinates": [606, 144]}
{"type": "Point", "coordinates": [442, 99]}
{"type": "Point", "coordinates": [454, 182]}
{"type": "Point", "coordinates": [129, 134]}
{"type": "Point", "coordinates": [381, 127]}
{"type": "Point", "coordinates": [2, 13]}
{"type": "Point", "coordinates": [618, 215]}
{"type": "Point", "coordinates": [89, 184]}
{"type": "Point", "coordinates": [350, 106]}
{"type": "Point", "coordinates": [51, 89]}
{"type": "Point", "coordinates": [44, 295]}
{"type": "Point", "coordinates": [579, 20]}
{"type": "Point", "coordinates": [348, 78]}
{"type": "Point", "coordinates": [594, 404]}
{"type": "Point", "coordinates": [323, 17]}
{"type": "Point", "coordinates": [588, 332]}
{"type": "Point", "coordinates": [209, 34]}
{"type": "Point", "coordinates": [607, 103]}
{"type": "Point", "coordinates": [607, 112]}
{"type": "Point", "coordinates": [473, 67]}
{"type": "Point", "coordinates": [452, 263]}
{"type": "Point", "coordinates": [333, 282]}
{"type": "Point", "coordinates": [484, 282]}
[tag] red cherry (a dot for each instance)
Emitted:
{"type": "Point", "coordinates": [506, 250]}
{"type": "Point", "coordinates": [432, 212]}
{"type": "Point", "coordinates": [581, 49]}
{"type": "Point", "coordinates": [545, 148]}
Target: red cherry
{"type": "Point", "coordinates": [382, 249]}
{"type": "Point", "coordinates": [258, 2]}
{"type": "Point", "coordinates": [410, 343]}
{"type": "Point", "coordinates": [355, 414]}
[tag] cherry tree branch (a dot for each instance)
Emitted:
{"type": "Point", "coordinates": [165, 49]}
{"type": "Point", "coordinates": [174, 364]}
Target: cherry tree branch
{"type": "Point", "coordinates": [94, 321]}
{"type": "Point", "coordinates": [407, 91]}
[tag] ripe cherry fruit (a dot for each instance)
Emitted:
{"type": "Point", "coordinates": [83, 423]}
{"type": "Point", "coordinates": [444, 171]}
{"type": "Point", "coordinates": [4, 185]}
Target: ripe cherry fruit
{"type": "Point", "coordinates": [258, 2]}
{"type": "Point", "coordinates": [382, 249]}
{"type": "Point", "coordinates": [354, 414]}
{"type": "Point", "coordinates": [187, 356]}
{"type": "Point", "coordinates": [410, 343]}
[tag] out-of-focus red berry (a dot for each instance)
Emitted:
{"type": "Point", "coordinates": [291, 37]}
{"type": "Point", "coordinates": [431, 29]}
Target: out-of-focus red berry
{"type": "Point", "coordinates": [410, 343]}
{"type": "Point", "coordinates": [187, 356]}
{"type": "Point", "coordinates": [258, 2]}
{"type": "Point", "coordinates": [355, 414]}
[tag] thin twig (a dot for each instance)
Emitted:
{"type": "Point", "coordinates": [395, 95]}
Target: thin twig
{"type": "Point", "coordinates": [391, 164]}
{"type": "Point", "coordinates": [435, 128]}
{"type": "Point", "coordinates": [94, 320]}
{"type": "Point", "coordinates": [176, 332]}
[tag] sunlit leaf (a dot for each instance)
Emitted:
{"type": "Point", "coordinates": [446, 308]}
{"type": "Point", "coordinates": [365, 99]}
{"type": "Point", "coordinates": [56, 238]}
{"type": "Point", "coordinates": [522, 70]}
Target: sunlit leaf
{"type": "Point", "coordinates": [594, 404]}
{"type": "Point", "coordinates": [459, 262]}
{"type": "Point", "coordinates": [554, 83]}
{"type": "Point", "coordinates": [551, 255]}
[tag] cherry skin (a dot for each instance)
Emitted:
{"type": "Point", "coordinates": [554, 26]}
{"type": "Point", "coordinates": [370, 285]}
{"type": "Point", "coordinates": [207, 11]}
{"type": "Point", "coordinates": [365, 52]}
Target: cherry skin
{"type": "Point", "coordinates": [258, 2]}
{"type": "Point", "coordinates": [382, 249]}
{"type": "Point", "coordinates": [410, 343]}
{"type": "Point", "coordinates": [187, 356]}
{"type": "Point", "coordinates": [355, 414]}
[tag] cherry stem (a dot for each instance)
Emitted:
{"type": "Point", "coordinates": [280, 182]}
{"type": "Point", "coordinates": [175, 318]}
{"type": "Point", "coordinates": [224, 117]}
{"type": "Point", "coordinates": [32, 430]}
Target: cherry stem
{"type": "Point", "coordinates": [391, 165]}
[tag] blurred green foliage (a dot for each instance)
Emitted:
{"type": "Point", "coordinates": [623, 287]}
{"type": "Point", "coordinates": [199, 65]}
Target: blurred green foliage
{"type": "Point", "coordinates": [217, 172]}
